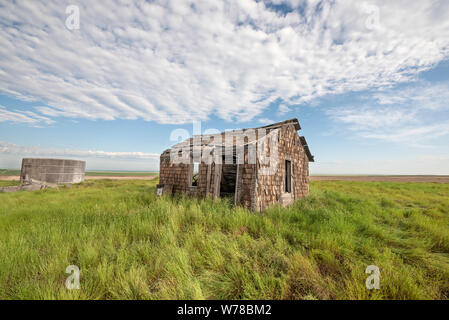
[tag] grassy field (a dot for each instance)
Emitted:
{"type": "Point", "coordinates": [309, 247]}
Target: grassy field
{"type": "Point", "coordinates": [130, 244]}
{"type": "Point", "coordinates": [12, 172]}
{"type": "Point", "coordinates": [9, 183]}
{"type": "Point", "coordinates": [121, 173]}
{"type": "Point", "coordinates": [9, 172]}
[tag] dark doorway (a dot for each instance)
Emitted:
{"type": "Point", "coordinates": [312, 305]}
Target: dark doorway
{"type": "Point", "coordinates": [228, 179]}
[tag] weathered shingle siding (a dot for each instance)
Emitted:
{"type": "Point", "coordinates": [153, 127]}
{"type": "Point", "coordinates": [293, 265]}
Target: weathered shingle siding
{"type": "Point", "coordinates": [247, 192]}
{"type": "Point", "coordinates": [174, 174]}
{"type": "Point", "coordinates": [270, 188]}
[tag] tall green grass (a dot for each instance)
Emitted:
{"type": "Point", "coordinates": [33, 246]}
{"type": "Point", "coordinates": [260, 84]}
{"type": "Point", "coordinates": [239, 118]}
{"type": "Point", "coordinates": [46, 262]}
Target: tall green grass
{"type": "Point", "coordinates": [129, 244]}
{"type": "Point", "coordinates": [9, 183]}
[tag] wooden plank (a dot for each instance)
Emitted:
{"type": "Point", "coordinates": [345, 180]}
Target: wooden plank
{"type": "Point", "coordinates": [208, 174]}
{"type": "Point", "coordinates": [189, 175]}
{"type": "Point", "coordinates": [293, 179]}
{"type": "Point", "coordinates": [217, 180]}
{"type": "Point", "coordinates": [237, 188]}
{"type": "Point", "coordinates": [255, 204]}
{"type": "Point", "coordinates": [22, 177]}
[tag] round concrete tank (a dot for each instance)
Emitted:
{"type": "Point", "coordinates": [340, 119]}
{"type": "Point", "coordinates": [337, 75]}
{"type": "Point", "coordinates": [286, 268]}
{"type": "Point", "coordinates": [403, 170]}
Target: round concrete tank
{"type": "Point", "coordinates": [58, 171]}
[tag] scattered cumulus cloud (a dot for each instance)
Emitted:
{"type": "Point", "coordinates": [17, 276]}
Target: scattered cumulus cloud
{"type": "Point", "coordinates": [266, 121]}
{"type": "Point", "coordinates": [23, 117]}
{"type": "Point", "coordinates": [362, 118]}
{"type": "Point", "coordinates": [425, 96]}
{"type": "Point", "coordinates": [174, 61]}
{"type": "Point", "coordinates": [283, 109]}
{"type": "Point", "coordinates": [10, 148]}
{"type": "Point", "coordinates": [414, 114]}
{"type": "Point", "coordinates": [410, 134]}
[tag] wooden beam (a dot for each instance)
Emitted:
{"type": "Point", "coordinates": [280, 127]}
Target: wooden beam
{"type": "Point", "coordinates": [237, 187]}
{"type": "Point", "coordinates": [208, 175]}
{"type": "Point", "coordinates": [189, 175]}
{"type": "Point", "coordinates": [255, 205]}
{"type": "Point", "coordinates": [217, 180]}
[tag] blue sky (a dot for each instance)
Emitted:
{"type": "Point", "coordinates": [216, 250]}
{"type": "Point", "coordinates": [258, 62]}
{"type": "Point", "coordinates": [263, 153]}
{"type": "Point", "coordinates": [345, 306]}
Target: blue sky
{"type": "Point", "coordinates": [368, 80]}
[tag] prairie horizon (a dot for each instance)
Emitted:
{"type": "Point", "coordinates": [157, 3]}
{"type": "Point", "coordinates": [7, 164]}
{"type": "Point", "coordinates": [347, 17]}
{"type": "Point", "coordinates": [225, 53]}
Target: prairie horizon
{"type": "Point", "coordinates": [14, 175]}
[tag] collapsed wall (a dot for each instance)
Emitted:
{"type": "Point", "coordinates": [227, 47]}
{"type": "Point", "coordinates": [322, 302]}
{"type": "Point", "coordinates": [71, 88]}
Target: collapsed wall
{"type": "Point", "coordinates": [55, 171]}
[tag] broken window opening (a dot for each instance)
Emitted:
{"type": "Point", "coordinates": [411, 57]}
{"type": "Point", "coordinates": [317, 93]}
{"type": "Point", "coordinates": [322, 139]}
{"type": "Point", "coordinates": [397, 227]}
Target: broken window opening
{"type": "Point", "coordinates": [195, 174]}
{"type": "Point", "coordinates": [288, 176]}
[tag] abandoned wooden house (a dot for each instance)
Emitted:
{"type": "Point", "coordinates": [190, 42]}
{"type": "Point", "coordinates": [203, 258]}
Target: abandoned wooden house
{"type": "Point", "coordinates": [256, 167]}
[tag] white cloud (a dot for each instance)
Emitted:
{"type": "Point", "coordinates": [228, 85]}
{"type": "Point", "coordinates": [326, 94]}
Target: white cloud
{"type": "Point", "coordinates": [283, 109]}
{"type": "Point", "coordinates": [425, 96]}
{"type": "Point", "coordinates": [22, 116]}
{"type": "Point", "coordinates": [411, 134]}
{"type": "Point", "coordinates": [409, 165]}
{"type": "Point", "coordinates": [171, 61]}
{"type": "Point", "coordinates": [363, 118]}
{"type": "Point", "coordinates": [413, 114]}
{"type": "Point", "coordinates": [266, 121]}
{"type": "Point", "coordinates": [10, 148]}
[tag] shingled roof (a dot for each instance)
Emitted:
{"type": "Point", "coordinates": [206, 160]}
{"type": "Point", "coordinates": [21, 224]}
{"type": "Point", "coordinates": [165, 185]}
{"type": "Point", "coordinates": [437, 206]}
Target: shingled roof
{"type": "Point", "coordinates": [306, 149]}
{"type": "Point", "coordinates": [207, 138]}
